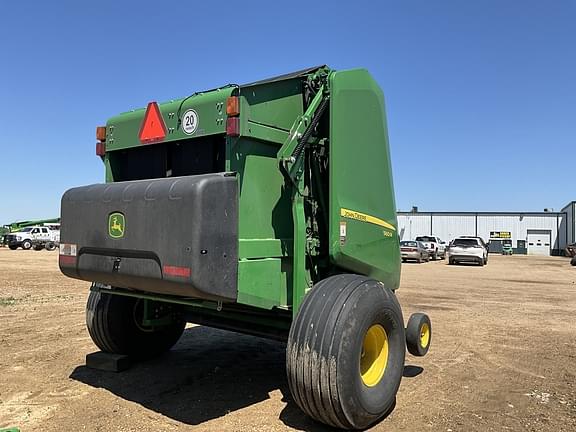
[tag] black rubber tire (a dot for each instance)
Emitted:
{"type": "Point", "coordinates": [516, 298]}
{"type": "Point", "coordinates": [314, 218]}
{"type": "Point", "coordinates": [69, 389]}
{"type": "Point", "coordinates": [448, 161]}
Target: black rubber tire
{"type": "Point", "coordinates": [485, 260]}
{"type": "Point", "coordinates": [38, 247]}
{"type": "Point", "coordinates": [413, 332]}
{"type": "Point", "coordinates": [12, 247]}
{"type": "Point", "coordinates": [50, 246]}
{"type": "Point", "coordinates": [573, 261]}
{"type": "Point", "coordinates": [481, 262]}
{"type": "Point", "coordinates": [26, 244]}
{"type": "Point", "coordinates": [451, 261]}
{"type": "Point", "coordinates": [112, 324]}
{"type": "Point", "coordinates": [419, 260]}
{"type": "Point", "coordinates": [434, 256]}
{"type": "Point", "coordinates": [325, 345]}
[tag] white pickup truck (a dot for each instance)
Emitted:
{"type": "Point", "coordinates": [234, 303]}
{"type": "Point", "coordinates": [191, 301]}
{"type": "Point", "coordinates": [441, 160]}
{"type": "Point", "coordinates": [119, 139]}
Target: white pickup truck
{"type": "Point", "coordinates": [38, 237]}
{"type": "Point", "coordinates": [435, 247]}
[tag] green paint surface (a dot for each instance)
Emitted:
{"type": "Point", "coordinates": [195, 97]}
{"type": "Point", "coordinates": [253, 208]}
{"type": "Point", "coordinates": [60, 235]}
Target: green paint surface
{"type": "Point", "coordinates": [122, 131]}
{"type": "Point", "coordinates": [276, 229]}
{"type": "Point", "coordinates": [361, 179]}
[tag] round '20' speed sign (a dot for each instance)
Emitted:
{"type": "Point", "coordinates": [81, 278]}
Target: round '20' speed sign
{"type": "Point", "coordinates": [189, 122]}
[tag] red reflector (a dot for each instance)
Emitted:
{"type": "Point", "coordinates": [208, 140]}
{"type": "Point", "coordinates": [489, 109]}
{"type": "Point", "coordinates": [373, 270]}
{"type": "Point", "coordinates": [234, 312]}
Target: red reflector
{"type": "Point", "coordinates": [101, 148]}
{"type": "Point", "coordinates": [177, 271]}
{"type": "Point", "coordinates": [233, 126]}
{"type": "Point", "coordinates": [67, 259]}
{"type": "Point", "coordinates": [153, 128]}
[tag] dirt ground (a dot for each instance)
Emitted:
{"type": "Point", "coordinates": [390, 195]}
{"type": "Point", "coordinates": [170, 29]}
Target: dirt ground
{"type": "Point", "coordinates": [503, 358]}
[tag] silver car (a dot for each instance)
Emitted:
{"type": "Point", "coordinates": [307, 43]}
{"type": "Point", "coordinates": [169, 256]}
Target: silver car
{"type": "Point", "coordinates": [413, 250]}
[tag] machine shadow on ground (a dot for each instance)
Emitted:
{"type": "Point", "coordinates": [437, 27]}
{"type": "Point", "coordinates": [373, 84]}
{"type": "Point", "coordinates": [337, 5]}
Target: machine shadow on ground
{"type": "Point", "coordinates": [207, 375]}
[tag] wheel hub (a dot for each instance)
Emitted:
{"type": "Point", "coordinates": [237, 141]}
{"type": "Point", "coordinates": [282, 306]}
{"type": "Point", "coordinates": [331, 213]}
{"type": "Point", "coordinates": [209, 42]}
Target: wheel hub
{"type": "Point", "coordinates": [424, 335]}
{"type": "Point", "coordinates": [374, 355]}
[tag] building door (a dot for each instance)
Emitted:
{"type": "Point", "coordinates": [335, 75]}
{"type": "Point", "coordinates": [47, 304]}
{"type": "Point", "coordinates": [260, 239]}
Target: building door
{"type": "Point", "coordinates": [538, 242]}
{"type": "Point", "coordinates": [521, 247]}
{"type": "Point", "coordinates": [495, 246]}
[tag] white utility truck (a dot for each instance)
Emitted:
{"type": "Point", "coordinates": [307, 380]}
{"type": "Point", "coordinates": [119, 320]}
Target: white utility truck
{"type": "Point", "coordinates": [37, 237]}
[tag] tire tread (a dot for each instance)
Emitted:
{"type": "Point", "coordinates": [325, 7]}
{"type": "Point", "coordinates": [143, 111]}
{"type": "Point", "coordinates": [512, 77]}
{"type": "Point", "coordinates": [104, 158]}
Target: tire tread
{"type": "Point", "coordinates": [106, 320]}
{"type": "Point", "coordinates": [312, 376]}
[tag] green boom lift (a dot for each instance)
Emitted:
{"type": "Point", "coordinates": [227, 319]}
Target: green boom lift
{"type": "Point", "coordinates": [266, 208]}
{"type": "Point", "coordinates": [17, 226]}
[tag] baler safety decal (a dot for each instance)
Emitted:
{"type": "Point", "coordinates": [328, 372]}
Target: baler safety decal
{"type": "Point", "coordinates": [362, 217]}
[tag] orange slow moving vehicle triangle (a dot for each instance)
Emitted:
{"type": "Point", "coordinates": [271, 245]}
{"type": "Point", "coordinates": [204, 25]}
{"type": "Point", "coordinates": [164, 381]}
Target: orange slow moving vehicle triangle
{"type": "Point", "coordinates": [153, 128]}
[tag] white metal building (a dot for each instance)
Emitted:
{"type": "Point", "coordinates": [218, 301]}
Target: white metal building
{"type": "Point", "coordinates": [540, 233]}
{"type": "Point", "coordinates": [569, 222]}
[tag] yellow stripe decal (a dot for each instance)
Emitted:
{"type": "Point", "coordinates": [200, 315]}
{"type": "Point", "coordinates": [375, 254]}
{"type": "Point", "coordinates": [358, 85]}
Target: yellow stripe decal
{"type": "Point", "coordinates": [351, 214]}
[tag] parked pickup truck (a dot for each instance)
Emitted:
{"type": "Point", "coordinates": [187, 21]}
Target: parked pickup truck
{"type": "Point", "coordinates": [435, 247]}
{"type": "Point", "coordinates": [38, 237]}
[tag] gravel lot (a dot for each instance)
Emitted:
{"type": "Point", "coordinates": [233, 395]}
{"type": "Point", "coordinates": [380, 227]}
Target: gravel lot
{"type": "Point", "coordinates": [503, 358]}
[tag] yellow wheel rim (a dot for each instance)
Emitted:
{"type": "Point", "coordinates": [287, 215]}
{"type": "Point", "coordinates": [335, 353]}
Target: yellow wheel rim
{"type": "Point", "coordinates": [424, 335]}
{"type": "Point", "coordinates": [374, 356]}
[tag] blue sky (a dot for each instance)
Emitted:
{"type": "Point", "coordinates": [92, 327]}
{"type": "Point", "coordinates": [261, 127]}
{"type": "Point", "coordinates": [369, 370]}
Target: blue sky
{"type": "Point", "coordinates": [481, 96]}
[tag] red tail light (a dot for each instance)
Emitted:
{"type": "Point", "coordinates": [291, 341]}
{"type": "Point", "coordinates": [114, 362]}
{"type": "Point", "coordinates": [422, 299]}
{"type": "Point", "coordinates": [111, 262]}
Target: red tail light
{"type": "Point", "coordinates": [67, 260]}
{"type": "Point", "coordinates": [233, 126]}
{"type": "Point", "coordinates": [101, 148]}
{"type": "Point", "coordinates": [101, 137]}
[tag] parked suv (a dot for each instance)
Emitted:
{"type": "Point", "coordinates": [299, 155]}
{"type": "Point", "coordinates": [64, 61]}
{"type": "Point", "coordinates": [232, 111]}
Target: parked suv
{"type": "Point", "coordinates": [467, 249]}
{"type": "Point", "coordinates": [486, 245]}
{"type": "Point", "coordinates": [435, 247]}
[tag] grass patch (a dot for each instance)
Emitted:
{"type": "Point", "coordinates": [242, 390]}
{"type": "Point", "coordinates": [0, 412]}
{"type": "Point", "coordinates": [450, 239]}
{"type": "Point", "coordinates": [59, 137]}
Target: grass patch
{"type": "Point", "coordinates": [7, 301]}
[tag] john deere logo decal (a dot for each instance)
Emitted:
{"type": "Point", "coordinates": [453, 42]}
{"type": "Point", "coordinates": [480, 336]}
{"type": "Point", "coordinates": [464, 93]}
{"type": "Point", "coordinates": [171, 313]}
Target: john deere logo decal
{"type": "Point", "coordinates": [116, 225]}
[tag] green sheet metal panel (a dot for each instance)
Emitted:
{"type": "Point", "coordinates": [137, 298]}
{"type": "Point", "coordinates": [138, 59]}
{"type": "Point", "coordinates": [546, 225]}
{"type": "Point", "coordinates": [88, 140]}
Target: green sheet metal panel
{"type": "Point", "coordinates": [275, 104]}
{"type": "Point", "coordinates": [363, 228]}
{"type": "Point", "coordinates": [265, 207]}
{"type": "Point", "coordinates": [122, 131]}
{"type": "Point", "coordinates": [259, 282]}
{"type": "Point", "coordinates": [265, 248]}
{"type": "Point", "coordinates": [264, 221]}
